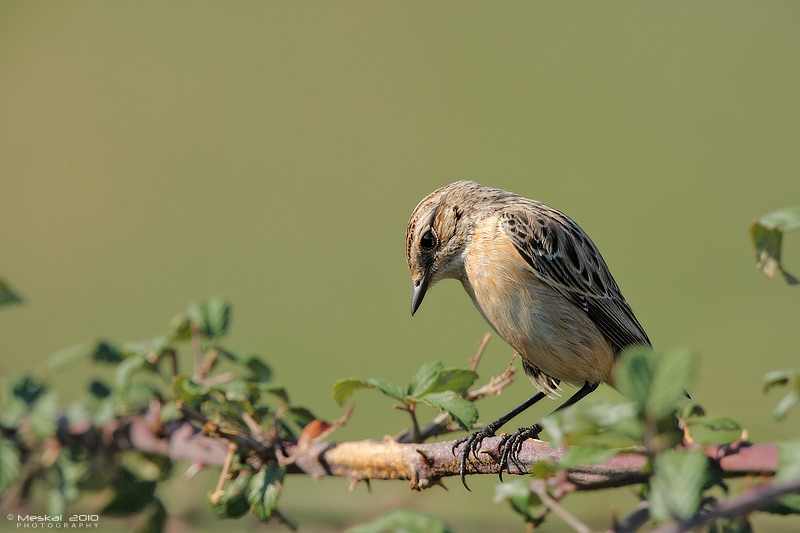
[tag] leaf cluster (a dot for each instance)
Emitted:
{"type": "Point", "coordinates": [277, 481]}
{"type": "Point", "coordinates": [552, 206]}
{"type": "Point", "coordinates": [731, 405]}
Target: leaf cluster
{"type": "Point", "coordinates": [233, 390]}
{"type": "Point", "coordinates": [433, 385]}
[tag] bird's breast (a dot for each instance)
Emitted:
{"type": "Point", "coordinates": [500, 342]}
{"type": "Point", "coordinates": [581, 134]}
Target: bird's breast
{"type": "Point", "coordinates": [547, 330]}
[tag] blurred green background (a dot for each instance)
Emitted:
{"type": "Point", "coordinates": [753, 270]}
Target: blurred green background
{"type": "Point", "coordinates": [152, 154]}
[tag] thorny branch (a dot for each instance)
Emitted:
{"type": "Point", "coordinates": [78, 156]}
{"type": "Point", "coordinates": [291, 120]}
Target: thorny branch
{"type": "Point", "coordinates": [423, 465]}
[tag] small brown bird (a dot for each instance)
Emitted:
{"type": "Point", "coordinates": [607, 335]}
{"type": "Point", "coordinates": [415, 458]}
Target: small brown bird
{"type": "Point", "coordinates": [536, 278]}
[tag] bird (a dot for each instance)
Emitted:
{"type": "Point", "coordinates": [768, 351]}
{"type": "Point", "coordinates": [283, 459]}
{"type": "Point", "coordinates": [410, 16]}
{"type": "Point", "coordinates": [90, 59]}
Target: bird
{"type": "Point", "coordinates": [537, 279]}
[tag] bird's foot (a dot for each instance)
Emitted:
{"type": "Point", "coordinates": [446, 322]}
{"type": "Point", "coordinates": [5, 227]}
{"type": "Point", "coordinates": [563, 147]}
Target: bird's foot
{"type": "Point", "coordinates": [512, 444]}
{"type": "Point", "coordinates": [472, 443]}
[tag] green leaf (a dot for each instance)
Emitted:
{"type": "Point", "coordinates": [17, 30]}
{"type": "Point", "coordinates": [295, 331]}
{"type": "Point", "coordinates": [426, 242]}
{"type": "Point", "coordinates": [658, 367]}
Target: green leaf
{"type": "Point", "coordinates": [462, 411]}
{"type": "Point", "coordinates": [739, 524]}
{"type": "Point", "coordinates": [105, 352]}
{"type": "Point", "coordinates": [44, 416]}
{"type": "Point", "coordinates": [7, 295]}
{"type": "Point", "coordinates": [157, 520]}
{"type": "Point", "coordinates": [788, 469]}
{"type": "Point", "coordinates": [70, 354]}
{"type": "Point", "coordinates": [718, 423]}
{"type": "Point", "coordinates": [519, 495]}
{"type": "Point", "coordinates": [10, 464]}
{"type": "Point", "coordinates": [781, 377]}
{"type": "Point", "coordinates": [233, 503]}
{"type": "Point", "coordinates": [677, 483]}
{"type": "Point", "coordinates": [127, 368]}
{"type": "Point", "coordinates": [604, 424]}
{"type": "Point", "coordinates": [180, 328]}
{"type": "Point", "coordinates": [187, 390]}
{"type": "Point", "coordinates": [131, 495]}
{"type": "Point", "coordinates": [28, 389]}
{"type": "Point", "coordinates": [300, 416]}
{"type": "Point", "coordinates": [673, 374]}
{"type": "Point", "coordinates": [211, 317]}
{"type": "Point", "coordinates": [447, 379]}
{"type": "Point", "coordinates": [343, 388]}
{"type": "Point", "coordinates": [98, 389]}
{"type": "Point", "coordinates": [424, 378]}
{"type": "Point", "coordinates": [633, 374]}
{"type": "Point", "coordinates": [767, 234]}
{"type": "Point", "coordinates": [260, 371]}
{"type": "Point", "coordinates": [788, 460]}
{"type": "Point", "coordinates": [790, 377]}
{"type": "Point", "coordinates": [403, 521]}
{"type": "Point", "coordinates": [265, 487]}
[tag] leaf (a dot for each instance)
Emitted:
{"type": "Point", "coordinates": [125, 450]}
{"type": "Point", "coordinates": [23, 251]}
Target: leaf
{"type": "Point", "coordinates": [98, 389]}
{"type": "Point", "coordinates": [633, 374]}
{"type": "Point", "coordinates": [300, 416]}
{"type": "Point", "coordinates": [180, 328]}
{"type": "Point", "coordinates": [70, 354]}
{"type": "Point", "coordinates": [788, 460]}
{"type": "Point", "coordinates": [788, 469]}
{"type": "Point", "coordinates": [127, 368]}
{"type": "Point", "coordinates": [767, 234]}
{"type": "Point", "coordinates": [403, 521]}
{"type": "Point", "coordinates": [233, 502]}
{"type": "Point", "coordinates": [131, 494]}
{"type": "Point", "coordinates": [105, 352]}
{"type": "Point", "coordinates": [739, 524]}
{"type": "Point", "coordinates": [519, 495]}
{"type": "Point", "coordinates": [343, 388]}
{"type": "Point", "coordinates": [211, 317]}
{"type": "Point", "coordinates": [424, 378]}
{"type": "Point", "coordinates": [603, 424]}
{"type": "Point", "coordinates": [673, 374]}
{"type": "Point", "coordinates": [157, 520]}
{"type": "Point", "coordinates": [7, 295]}
{"type": "Point", "coordinates": [718, 423]}
{"type": "Point", "coordinates": [447, 379]}
{"type": "Point", "coordinates": [187, 390]}
{"type": "Point", "coordinates": [10, 464]}
{"type": "Point", "coordinates": [260, 371]}
{"type": "Point", "coordinates": [677, 483]}
{"type": "Point", "coordinates": [462, 411]}
{"type": "Point", "coordinates": [265, 487]}
{"type": "Point", "coordinates": [28, 389]}
{"type": "Point", "coordinates": [781, 377]}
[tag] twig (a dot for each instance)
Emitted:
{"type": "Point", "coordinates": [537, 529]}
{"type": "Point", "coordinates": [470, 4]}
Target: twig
{"type": "Point", "coordinates": [744, 503]}
{"type": "Point", "coordinates": [242, 440]}
{"type": "Point", "coordinates": [223, 475]}
{"type": "Point", "coordinates": [479, 353]}
{"type": "Point", "coordinates": [410, 409]}
{"type": "Point", "coordinates": [540, 488]}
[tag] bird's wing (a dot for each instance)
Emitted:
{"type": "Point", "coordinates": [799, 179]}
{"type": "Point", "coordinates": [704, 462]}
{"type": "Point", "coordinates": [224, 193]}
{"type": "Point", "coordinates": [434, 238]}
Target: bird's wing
{"type": "Point", "coordinates": [564, 257]}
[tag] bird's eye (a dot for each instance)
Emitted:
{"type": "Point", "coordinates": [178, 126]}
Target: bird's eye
{"type": "Point", "coordinates": [428, 240]}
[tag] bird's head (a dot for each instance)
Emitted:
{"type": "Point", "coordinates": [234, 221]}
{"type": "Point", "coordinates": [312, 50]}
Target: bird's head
{"type": "Point", "coordinates": [438, 232]}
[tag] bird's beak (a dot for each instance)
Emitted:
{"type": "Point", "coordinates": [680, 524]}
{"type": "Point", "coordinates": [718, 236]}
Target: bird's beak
{"type": "Point", "coordinates": [420, 288]}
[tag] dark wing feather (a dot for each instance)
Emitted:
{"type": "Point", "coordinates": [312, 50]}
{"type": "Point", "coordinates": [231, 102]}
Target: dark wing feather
{"type": "Point", "coordinates": [564, 257]}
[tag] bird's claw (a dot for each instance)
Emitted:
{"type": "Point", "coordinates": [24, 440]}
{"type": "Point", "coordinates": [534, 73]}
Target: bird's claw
{"type": "Point", "coordinates": [472, 444]}
{"type": "Point", "coordinates": [512, 444]}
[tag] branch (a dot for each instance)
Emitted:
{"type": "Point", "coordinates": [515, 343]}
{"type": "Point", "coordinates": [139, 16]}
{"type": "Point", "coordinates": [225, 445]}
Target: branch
{"type": "Point", "coordinates": [748, 501]}
{"type": "Point", "coordinates": [424, 465]}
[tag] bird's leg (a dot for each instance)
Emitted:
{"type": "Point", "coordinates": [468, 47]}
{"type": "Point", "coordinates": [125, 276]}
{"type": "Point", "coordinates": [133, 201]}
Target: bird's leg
{"type": "Point", "coordinates": [473, 442]}
{"type": "Point", "coordinates": [512, 444]}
